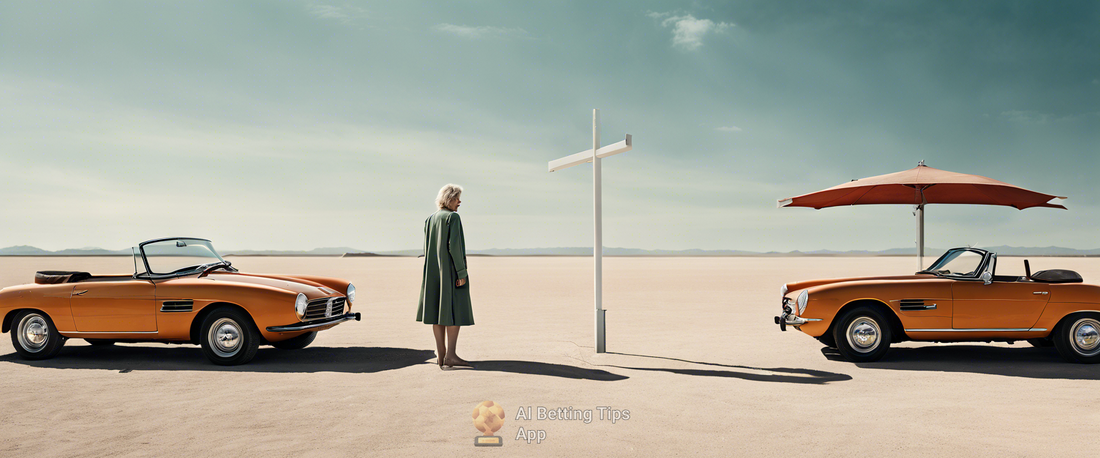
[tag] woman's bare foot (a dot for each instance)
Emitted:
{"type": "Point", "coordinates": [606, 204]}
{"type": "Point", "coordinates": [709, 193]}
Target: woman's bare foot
{"type": "Point", "coordinates": [456, 361]}
{"type": "Point", "coordinates": [440, 361]}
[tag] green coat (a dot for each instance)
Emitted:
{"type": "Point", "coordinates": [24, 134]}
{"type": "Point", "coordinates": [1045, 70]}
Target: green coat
{"type": "Point", "coordinates": [444, 263]}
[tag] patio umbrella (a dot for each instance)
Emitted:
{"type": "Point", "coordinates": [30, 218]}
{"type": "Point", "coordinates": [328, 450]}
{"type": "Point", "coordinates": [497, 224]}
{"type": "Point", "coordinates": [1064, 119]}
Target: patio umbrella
{"type": "Point", "coordinates": [920, 186]}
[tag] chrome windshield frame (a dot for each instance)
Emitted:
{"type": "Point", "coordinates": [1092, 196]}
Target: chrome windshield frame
{"type": "Point", "coordinates": [150, 275]}
{"type": "Point", "coordinates": [987, 263]}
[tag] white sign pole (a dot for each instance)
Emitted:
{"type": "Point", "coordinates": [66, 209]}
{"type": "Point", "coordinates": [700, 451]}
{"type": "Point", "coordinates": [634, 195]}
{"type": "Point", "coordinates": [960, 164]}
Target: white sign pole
{"type": "Point", "coordinates": [594, 155]}
{"type": "Point", "coordinates": [597, 244]}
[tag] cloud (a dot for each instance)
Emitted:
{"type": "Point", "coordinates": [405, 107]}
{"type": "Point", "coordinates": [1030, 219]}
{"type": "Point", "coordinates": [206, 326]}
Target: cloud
{"type": "Point", "coordinates": [728, 129]}
{"type": "Point", "coordinates": [1025, 116]}
{"type": "Point", "coordinates": [1035, 117]}
{"type": "Point", "coordinates": [344, 13]}
{"type": "Point", "coordinates": [479, 32]}
{"type": "Point", "coordinates": [687, 30]}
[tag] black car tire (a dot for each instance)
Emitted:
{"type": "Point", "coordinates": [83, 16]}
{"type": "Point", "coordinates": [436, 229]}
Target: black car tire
{"type": "Point", "coordinates": [228, 337]}
{"type": "Point", "coordinates": [100, 342]}
{"type": "Point", "coordinates": [296, 343]}
{"type": "Point", "coordinates": [34, 336]}
{"type": "Point", "coordinates": [862, 335]}
{"type": "Point", "coordinates": [1077, 338]}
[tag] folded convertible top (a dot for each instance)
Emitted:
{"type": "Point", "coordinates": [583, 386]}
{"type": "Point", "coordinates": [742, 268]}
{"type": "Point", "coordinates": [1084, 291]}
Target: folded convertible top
{"type": "Point", "coordinates": [1057, 276]}
{"type": "Point", "coordinates": [49, 277]}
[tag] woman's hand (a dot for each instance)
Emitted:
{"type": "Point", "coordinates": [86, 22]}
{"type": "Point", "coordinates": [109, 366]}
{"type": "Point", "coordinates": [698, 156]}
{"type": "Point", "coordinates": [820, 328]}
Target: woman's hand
{"type": "Point", "coordinates": [460, 282]}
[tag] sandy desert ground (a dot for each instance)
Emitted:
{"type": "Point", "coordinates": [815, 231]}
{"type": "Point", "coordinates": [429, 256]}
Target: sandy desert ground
{"type": "Point", "coordinates": [694, 357]}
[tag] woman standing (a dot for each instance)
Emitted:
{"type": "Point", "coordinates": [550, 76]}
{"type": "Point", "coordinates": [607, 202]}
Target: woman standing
{"type": "Point", "coordinates": [445, 292]}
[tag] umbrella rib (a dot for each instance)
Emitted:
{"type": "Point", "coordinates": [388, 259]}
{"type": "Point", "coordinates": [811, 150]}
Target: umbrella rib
{"type": "Point", "coordinates": [856, 201]}
{"type": "Point", "coordinates": [992, 197]}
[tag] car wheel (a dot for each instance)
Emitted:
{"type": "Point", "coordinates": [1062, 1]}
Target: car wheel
{"type": "Point", "coordinates": [1041, 342]}
{"type": "Point", "coordinates": [228, 337]}
{"type": "Point", "coordinates": [100, 342]}
{"type": "Point", "coordinates": [862, 335]}
{"type": "Point", "coordinates": [1078, 339]}
{"type": "Point", "coordinates": [296, 343]}
{"type": "Point", "coordinates": [34, 336]}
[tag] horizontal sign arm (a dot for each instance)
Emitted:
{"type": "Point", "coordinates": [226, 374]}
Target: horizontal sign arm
{"type": "Point", "coordinates": [586, 156]}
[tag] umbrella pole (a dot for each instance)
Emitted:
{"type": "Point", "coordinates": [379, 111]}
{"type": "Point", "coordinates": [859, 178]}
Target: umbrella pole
{"type": "Point", "coordinates": [920, 237]}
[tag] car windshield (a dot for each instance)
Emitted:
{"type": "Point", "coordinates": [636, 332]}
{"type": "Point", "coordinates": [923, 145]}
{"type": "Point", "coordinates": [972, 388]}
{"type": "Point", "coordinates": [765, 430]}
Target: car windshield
{"type": "Point", "coordinates": [177, 256]}
{"type": "Point", "coordinates": [959, 262]}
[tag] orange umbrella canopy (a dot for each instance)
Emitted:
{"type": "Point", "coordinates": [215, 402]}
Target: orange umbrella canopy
{"type": "Point", "coordinates": [923, 185]}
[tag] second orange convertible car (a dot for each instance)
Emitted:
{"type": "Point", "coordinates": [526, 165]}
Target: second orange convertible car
{"type": "Point", "coordinates": [181, 291]}
{"type": "Point", "coordinates": [959, 298]}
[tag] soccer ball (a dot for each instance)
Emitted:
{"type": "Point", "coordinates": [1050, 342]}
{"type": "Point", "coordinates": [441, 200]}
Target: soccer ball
{"type": "Point", "coordinates": [488, 417]}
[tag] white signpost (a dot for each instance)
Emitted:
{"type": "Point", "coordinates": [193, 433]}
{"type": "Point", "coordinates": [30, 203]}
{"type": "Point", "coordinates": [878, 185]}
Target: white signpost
{"type": "Point", "coordinates": [594, 155]}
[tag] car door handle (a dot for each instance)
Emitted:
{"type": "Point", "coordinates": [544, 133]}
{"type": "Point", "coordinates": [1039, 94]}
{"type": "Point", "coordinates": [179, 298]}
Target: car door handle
{"type": "Point", "coordinates": [77, 293]}
{"type": "Point", "coordinates": [1041, 292]}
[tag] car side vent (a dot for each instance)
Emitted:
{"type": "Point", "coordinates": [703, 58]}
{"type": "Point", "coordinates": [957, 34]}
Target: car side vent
{"type": "Point", "coordinates": [177, 306]}
{"type": "Point", "coordinates": [916, 304]}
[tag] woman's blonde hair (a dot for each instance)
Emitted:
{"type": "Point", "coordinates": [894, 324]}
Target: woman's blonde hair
{"type": "Point", "coordinates": [448, 194]}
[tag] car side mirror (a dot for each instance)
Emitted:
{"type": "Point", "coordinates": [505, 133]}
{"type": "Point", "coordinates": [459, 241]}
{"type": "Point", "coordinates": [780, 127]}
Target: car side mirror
{"type": "Point", "coordinates": [987, 278]}
{"type": "Point", "coordinates": [180, 244]}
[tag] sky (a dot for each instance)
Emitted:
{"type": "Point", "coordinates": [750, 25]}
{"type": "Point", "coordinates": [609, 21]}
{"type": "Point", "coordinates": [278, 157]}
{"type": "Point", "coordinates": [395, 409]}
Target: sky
{"type": "Point", "coordinates": [301, 124]}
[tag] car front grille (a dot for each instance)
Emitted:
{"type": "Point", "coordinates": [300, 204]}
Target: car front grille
{"type": "Point", "coordinates": [320, 308]}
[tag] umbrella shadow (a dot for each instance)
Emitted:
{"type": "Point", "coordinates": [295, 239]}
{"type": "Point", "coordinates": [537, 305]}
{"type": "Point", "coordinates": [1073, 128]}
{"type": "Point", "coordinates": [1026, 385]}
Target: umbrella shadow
{"type": "Point", "coordinates": [1030, 362]}
{"type": "Point", "coordinates": [778, 374]}
{"type": "Point", "coordinates": [546, 369]}
{"type": "Point", "coordinates": [125, 358]}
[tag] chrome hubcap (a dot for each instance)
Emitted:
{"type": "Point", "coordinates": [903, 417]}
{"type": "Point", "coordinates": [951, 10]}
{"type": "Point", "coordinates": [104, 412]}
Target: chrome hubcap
{"type": "Point", "coordinates": [1086, 336]}
{"type": "Point", "coordinates": [225, 337]}
{"type": "Point", "coordinates": [863, 334]}
{"type": "Point", "coordinates": [33, 333]}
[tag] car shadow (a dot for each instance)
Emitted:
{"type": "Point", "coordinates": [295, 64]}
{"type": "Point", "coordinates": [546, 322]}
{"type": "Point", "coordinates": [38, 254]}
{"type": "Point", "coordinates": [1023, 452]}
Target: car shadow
{"type": "Point", "coordinates": [778, 374]}
{"type": "Point", "coordinates": [127, 358]}
{"type": "Point", "coordinates": [1027, 362]}
{"type": "Point", "coordinates": [358, 360]}
{"type": "Point", "coordinates": [547, 369]}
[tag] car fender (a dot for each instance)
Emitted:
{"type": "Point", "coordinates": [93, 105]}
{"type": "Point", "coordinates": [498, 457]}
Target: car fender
{"type": "Point", "coordinates": [53, 300]}
{"type": "Point", "coordinates": [267, 305]}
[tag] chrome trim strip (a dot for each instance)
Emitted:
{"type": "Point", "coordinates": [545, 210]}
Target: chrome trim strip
{"type": "Point", "coordinates": [177, 306]}
{"type": "Point", "coordinates": [314, 325]}
{"type": "Point", "coordinates": [109, 332]}
{"type": "Point", "coordinates": [979, 330]}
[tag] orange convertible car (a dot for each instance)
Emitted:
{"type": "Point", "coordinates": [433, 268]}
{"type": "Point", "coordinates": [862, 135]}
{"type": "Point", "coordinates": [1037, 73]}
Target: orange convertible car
{"type": "Point", "coordinates": [959, 298]}
{"type": "Point", "coordinates": [181, 291]}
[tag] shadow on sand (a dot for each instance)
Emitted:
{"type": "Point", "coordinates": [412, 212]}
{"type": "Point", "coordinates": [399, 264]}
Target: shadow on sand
{"type": "Point", "coordinates": [1028, 362]}
{"type": "Point", "coordinates": [126, 358]}
{"type": "Point", "coordinates": [357, 360]}
{"type": "Point", "coordinates": [778, 374]}
{"type": "Point", "coordinates": [548, 369]}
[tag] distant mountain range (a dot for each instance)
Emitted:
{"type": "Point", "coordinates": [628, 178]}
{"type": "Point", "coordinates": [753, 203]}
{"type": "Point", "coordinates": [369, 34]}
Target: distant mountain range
{"type": "Point", "coordinates": [24, 250]}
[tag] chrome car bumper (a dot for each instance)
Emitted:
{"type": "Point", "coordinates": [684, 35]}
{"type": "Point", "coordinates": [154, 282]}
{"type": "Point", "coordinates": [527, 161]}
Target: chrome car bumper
{"type": "Point", "coordinates": [316, 324]}
{"type": "Point", "coordinates": [787, 319]}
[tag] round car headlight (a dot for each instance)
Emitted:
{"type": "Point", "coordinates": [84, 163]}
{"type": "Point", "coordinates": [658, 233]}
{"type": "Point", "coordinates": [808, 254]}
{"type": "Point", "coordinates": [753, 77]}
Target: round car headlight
{"type": "Point", "coordinates": [300, 305]}
{"type": "Point", "coordinates": [351, 293]}
{"type": "Point", "coordinates": [803, 298]}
